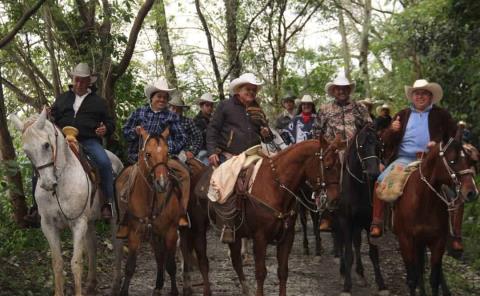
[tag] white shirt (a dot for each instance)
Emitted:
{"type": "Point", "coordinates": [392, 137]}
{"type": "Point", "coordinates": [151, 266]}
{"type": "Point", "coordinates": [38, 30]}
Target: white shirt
{"type": "Point", "coordinates": [79, 100]}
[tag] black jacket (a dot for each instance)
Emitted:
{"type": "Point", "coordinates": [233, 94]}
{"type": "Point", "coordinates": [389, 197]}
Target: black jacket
{"type": "Point", "coordinates": [201, 122]}
{"type": "Point", "coordinates": [231, 129]}
{"type": "Point", "coordinates": [91, 113]}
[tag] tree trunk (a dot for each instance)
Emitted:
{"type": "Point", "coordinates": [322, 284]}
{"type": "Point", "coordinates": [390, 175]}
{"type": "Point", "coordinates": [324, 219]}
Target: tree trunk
{"type": "Point", "coordinates": [345, 47]}
{"type": "Point", "coordinates": [164, 41]}
{"type": "Point", "coordinates": [231, 8]}
{"type": "Point", "coordinates": [364, 47]}
{"type": "Point", "coordinates": [7, 154]}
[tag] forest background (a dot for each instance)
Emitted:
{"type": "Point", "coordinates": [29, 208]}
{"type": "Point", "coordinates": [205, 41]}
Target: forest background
{"type": "Point", "coordinates": [291, 45]}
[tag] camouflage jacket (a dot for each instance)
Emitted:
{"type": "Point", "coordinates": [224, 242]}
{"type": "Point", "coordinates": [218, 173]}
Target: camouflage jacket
{"type": "Point", "coordinates": [333, 119]}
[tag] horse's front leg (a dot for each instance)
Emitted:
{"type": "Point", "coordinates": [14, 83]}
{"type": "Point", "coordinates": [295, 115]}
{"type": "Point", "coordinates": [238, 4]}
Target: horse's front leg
{"type": "Point", "coordinates": [436, 274]}
{"type": "Point", "coordinates": [260, 251]}
{"type": "Point", "coordinates": [134, 241]}
{"type": "Point", "coordinates": [236, 257]}
{"type": "Point", "coordinates": [318, 240]}
{"type": "Point", "coordinates": [79, 235]}
{"type": "Point", "coordinates": [283, 252]}
{"type": "Point", "coordinates": [303, 221]}
{"type": "Point", "coordinates": [200, 245]}
{"type": "Point", "coordinates": [373, 254]}
{"type": "Point", "coordinates": [409, 255]}
{"type": "Point", "coordinates": [158, 247]}
{"type": "Point", "coordinates": [347, 256]}
{"type": "Point", "coordinates": [357, 243]}
{"type": "Point", "coordinates": [186, 248]}
{"type": "Point", "coordinates": [52, 234]}
{"type": "Point", "coordinates": [171, 247]}
{"type": "Point", "coordinates": [91, 245]}
{"type": "Point", "coordinates": [117, 261]}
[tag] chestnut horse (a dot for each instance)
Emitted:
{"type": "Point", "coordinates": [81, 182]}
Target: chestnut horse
{"type": "Point", "coordinates": [153, 211]}
{"type": "Point", "coordinates": [421, 214]}
{"type": "Point", "coordinates": [269, 211]}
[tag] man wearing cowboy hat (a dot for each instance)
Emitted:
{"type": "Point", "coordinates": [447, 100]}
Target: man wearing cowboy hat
{"type": "Point", "coordinates": [369, 103]}
{"type": "Point", "coordinates": [383, 119]}
{"type": "Point", "coordinates": [341, 117]}
{"type": "Point", "coordinates": [194, 136]}
{"type": "Point", "coordinates": [237, 124]}
{"type": "Point", "coordinates": [154, 118]}
{"type": "Point", "coordinates": [300, 128]}
{"type": "Point", "coordinates": [202, 119]}
{"type": "Point", "coordinates": [83, 109]}
{"type": "Point", "coordinates": [412, 131]}
{"type": "Point", "coordinates": [288, 103]}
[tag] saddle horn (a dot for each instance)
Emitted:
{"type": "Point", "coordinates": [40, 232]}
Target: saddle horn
{"type": "Point", "coordinates": [16, 122]}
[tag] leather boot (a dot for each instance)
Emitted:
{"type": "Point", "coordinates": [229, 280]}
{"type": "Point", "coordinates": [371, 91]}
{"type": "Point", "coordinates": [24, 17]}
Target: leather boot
{"type": "Point", "coordinates": [326, 222]}
{"type": "Point", "coordinates": [457, 218]}
{"type": "Point", "coordinates": [107, 211]}
{"type": "Point", "coordinates": [376, 229]}
{"type": "Point", "coordinates": [122, 231]}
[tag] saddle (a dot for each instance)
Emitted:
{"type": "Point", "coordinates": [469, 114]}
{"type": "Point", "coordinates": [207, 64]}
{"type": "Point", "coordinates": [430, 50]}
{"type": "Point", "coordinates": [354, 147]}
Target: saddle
{"type": "Point", "coordinates": [391, 188]}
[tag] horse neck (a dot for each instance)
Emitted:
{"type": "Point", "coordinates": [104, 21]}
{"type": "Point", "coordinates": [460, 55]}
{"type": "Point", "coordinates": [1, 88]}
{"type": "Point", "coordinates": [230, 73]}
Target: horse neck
{"type": "Point", "coordinates": [353, 163]}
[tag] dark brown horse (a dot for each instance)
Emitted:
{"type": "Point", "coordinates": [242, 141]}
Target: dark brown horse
{"type": "Point", "coordinates": [153, 211]}
{"type": "Point", "coordinates": [269, 211]}
{"type": "Point", "coordinates": [421, 214]}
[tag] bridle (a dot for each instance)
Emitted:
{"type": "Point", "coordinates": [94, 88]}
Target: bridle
{"type": "Point", "coordinates": [361, 160]}
{"type": "Point", "coordinates": [54, 157]}
{"type": "Point", "coordinates": [321, 185]}
{"type": "Point", "coordinates": [151, 169]}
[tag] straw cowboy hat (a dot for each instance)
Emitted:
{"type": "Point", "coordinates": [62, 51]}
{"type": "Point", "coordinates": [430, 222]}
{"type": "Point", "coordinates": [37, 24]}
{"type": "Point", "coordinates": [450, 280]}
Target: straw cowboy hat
{"type": "Point", "coordinates": [461, 122]}
{"type": "Point", "coordinates": [384, 106]}
{"type": "Point", "coordinates": [339, 81]}
{"type": "Point", "coordinates": [247, 78]}
{"type": "Point", "coordinates": [206, 98]}
{"type": "Point", "coordinates": [83, 70]}
{"type": "Point", "coordinates": [177, 100]}
{"type": "Point", "coordinates": [368, 101]}
{"type": "Point", "coordinates": [160, 84]}
{"type": "Point", "coordinates": [434, 88]}
{"type": "Point", "coordinates": [306, 99]}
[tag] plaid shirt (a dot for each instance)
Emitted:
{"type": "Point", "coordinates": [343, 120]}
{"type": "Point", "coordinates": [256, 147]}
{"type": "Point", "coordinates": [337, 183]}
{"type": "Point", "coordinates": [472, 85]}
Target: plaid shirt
{"type": "Point", "coordinates": [194, 135]}
{"type": "Point", "coordinates": [154, 123]}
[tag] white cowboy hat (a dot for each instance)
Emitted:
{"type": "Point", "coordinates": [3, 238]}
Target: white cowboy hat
{"type": "Point", "coordinates": [177, 100]}
{"type": "Point", "coordinates": [369, 101]}
{"type": "Point", "coordinates": [461, 122]}
{"type": "Point", "coordinates": [339, 81]}
{"type": "Point", "coordinates": [206, 98]}
{"type": "Point", "coordinates": [83, 70]}
{"type": "Point", "coordinates": [244, 79]}
{"type": "Point", "coordinates": [434, 88]}
{"type": "Point", "coordinates": [160, 84]}
{"type": "Point", "coordinates": [306, 99]}
{"type": "Point", "coordinates": [384, 106]}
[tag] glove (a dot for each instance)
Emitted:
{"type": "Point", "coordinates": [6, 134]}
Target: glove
{"type": "Point", "coordinates": [257, 116]}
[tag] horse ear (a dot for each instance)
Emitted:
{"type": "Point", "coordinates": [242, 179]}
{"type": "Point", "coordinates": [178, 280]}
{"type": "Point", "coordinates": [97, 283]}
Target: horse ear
{"type": "Point", "coordinates": [40, 123]}
{"type": "Point", "coordinates": [16, 122]}
{"type": "Point", "coordinates": [166, 133]}
{"type": "Point", "coordinates": [459, 134]}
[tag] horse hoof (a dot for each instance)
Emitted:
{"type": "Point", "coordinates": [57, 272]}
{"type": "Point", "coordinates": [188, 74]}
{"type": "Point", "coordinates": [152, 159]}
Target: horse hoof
{"type": "Point", "coordinates": [345, 294]}
{"type": "Point", "coordinates": [157, 292]}
{"type": "Point", "coordinates": [383, 293]}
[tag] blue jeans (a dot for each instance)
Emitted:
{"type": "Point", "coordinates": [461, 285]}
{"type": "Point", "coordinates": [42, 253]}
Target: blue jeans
{"type": "Point", "coordinates": [203, 157]}
{"type": "Point", "coordinates": [402, 160]}
{"type": "Point", "coordinates": [96, 153]}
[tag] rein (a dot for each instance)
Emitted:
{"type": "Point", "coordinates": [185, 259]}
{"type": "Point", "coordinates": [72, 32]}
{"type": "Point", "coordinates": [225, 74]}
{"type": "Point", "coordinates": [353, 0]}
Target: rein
{"type": "Point", "coordinates": [361, 160]}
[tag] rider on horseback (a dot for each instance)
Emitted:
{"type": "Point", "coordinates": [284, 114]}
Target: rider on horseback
{"type": "Point", "coordinates": [300, 128]}
{"type": "Point", "coordinates": [413, 130]}
{"type": "Point", "coordinates": [155, 118]}
{"type": "Point", "coordinates": [237, 124]}
{"type": "Point", "coordinates": [202, 119]}
{"type": "Point", "coordinates": [83, 109]}
{"type": "Point", "coordinates": [340, 117]}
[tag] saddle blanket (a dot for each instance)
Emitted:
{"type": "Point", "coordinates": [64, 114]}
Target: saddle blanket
{"type": "Point", "coordinates": [392, 185]}
{"type": "Point", "coordinates": [224, 178]}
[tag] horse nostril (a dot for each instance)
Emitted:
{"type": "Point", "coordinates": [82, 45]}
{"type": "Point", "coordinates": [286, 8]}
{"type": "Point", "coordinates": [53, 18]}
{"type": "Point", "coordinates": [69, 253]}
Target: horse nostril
{"type": "Point", "coordinates": [472, 195]}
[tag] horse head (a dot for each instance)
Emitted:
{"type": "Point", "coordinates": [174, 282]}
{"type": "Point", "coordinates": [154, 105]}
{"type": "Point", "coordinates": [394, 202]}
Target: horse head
{"type": "Point", "coordinates": [366, 147]}
{"type": "Point", "coordinates": [450, 166]}
{"type": "Point", "coordinates": [153, 157]}
{"type": "Point", "coordinates": [39, 139]}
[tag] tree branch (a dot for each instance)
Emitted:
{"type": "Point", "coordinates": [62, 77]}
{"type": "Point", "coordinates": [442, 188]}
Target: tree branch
{"type": "Point", "coordinates": [7, 38]}
{"type": "Point", "coordinates": [22, 97]}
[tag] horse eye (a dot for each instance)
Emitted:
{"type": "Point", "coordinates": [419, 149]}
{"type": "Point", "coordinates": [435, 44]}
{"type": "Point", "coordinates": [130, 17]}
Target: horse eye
{"type": "Point", "coordinates": [148, 155]}
{"type": "Point", "coordinates": [46, 146]}
{"type": "Point", "coordinates": [452, 161]}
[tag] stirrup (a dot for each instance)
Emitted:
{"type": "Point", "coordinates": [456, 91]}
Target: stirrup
{"type": "Point", "coordinates": [228, 235]}
{"type": "Point", "coordinates": [376, 231]}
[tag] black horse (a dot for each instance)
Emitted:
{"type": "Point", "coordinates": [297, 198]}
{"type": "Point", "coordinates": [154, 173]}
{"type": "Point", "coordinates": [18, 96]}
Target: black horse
{"type": "Point", "coordinates": [361, 168]}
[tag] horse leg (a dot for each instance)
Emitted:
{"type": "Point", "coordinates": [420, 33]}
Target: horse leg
{"type": "Point", "coordinates": [283, 251]}
{"type": "Point", "coordinates": [91, 244]}
{"type": "Point", "coordinates": [347, 259]}
{"type": "Point", "coordinates": [200, 245]}
{"type": "Point", "coordinates": [421, 269]}
{"type": "Point", "coordinates": [443, 283]}
{"type": "Point", "coordinates": [303, 220]}
{"type": "Point", "coordinates": [171, 247]}
{"type": "Point", "coordinates": [186, 249]}
{"type": "Point", "coordinates": [318, 240]}
{"type": "Point", "coordinates": [158, 247]}
{"type": "Point", "coordinates": [374, 258]}
{"type": "Point", "coordinates": [410, 258]}
{"type": "Point", "coordinates": [244, 252]}
{"type": "Point", "coordinates": [79, 234]}
{"type": "Point", "coordinates": [437, 249]}
{"type": "Point", "coordinates": [117, 261]}
{"type": "Point", "coordinates": [53, 237]}
{"type": "Point", "coordinates": [236, 257]}
{"type": "Point", "coordinates": [357, 243]}
{"type": "Point", "coordinates": [133, 245]}
{"type": "Point", "coordinates": [260, 251]}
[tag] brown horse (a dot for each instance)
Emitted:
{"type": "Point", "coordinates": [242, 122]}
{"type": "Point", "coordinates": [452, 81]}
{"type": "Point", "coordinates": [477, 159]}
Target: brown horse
{"type": "Point", "coordinates": [153, 211]}
{"type": "Point", "coordinates": [421, 214]}
{"type": "Point", "coordinates": [269, 211]}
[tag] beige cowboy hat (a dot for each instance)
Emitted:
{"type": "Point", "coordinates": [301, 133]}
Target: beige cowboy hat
{"type": "Point", "coordinates": [461, 122]}
{"type": "Point", "coordinates": [206, 98]}
{"type": "Point", "coordinates": [384, 106]}
{"type": "Point", "coordinates": [339, 81]}
{"type": "Point", "coordinates": [306, 99]}
{"type": "Point", "coordinates": [177, 100]}
{"type": "Point", "coordinates": [160, 84]}
{"type": "Point", "coordinates": [368, 101]}
{"type": "Point", "coordinates": [83, 70]}
{"type": "Point", "coordinates": [434, 88]}
{"type": "Point", "coordinates": [247, 78]}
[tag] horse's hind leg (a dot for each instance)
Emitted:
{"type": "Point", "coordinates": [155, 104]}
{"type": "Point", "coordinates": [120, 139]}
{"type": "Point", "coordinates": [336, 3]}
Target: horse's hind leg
{"type": "Point", "coordinates": [133, 245]}
{"type": "Point", "coordinates": [283, 251]}
{"type": "Point", "coordinates": [53, 238]}
{"type": "Point", "coordinates": [236, 257]}
{"type": "Point", "coordinates": [373, 254]}
{"type": "Point", "coordinates": [79, 235]}
{"type": "Point", "coordinates": [91, 245]}
{"type": "Point", "coordinates": [186, 248]}
{"type": "Point", "coordinates": [117, 261]}
{"type": "Point", "coordinates": [200, 245]}
{"type": "Point", "coordinates": [260, 252]}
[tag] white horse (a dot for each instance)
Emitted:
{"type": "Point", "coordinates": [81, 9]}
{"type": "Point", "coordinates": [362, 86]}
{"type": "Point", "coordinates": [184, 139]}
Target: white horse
{"type": "Point", "coordinates": [63, 194]}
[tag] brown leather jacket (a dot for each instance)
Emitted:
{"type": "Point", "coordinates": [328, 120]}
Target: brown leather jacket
{"type": "Point", "coordinates": [440, 125]}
